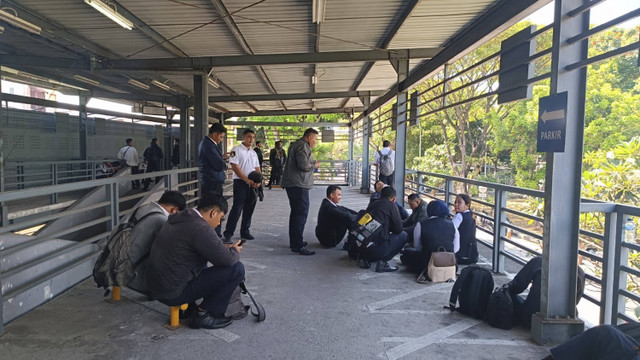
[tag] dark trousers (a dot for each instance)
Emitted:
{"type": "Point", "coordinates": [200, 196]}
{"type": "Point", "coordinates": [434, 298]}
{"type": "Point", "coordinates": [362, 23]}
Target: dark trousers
{"type": "Point", "coordinates": [276, 175]}
{"type": "Point", "coordinates": [214, 285]}
{"type": "Point", "coordinates": [530, 274]}
{"type": "Point", "coordinates": [415, 260]}
{"type": "Point", "coordinates": [243, 203]}
{"type": "Point", "coordinates": [134, 171]}
{"type": "Point", "coordinates": [387, 179]}
{"type": "Point", "coordinates": [603, 342]}
{"type": "Point", "coordinates": [386, 250]}
{"type": "Point", "coordinates": [147, 181]}
{"type": "Point", "coordinates": [299, 203]}
{"type": "Point", "coordinates": [215, 187]}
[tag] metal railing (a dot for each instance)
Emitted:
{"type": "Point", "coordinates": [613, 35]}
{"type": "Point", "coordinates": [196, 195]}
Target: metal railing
{"type": "Point", "coordinates": [102, 214]}
{"type": "Point", "coordinates": [510, 220]}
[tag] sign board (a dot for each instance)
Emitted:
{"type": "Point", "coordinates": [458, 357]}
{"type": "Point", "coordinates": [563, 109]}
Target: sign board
{"type": "Point", "coordinates": [552, 123]}
{"type": "Point", "coordinates": [154, 110]}
{"type": "Point", "coordinates": [328, 136]}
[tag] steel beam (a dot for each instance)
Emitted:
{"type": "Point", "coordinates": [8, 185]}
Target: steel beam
{"type": "Point", "coordinates": [208, 62]}
{"type": "Point", "coordinates": [300, 96]}
{"type": "Point", "coordinates": [59, 105]}
{"type": "Point", "coordinates": [272, 123]}
{"type": "Point", "coordinates": [494, 21]}
{"type": "Point", "coordinates": [557, 321]}
{"type": "Point", "coordinates": [291, 112]}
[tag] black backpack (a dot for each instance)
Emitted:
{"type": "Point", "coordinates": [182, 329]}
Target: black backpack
{"type": "Point", "coordinates": [500, 309]}
{"type": "Point", "coordinates": [472, 289]}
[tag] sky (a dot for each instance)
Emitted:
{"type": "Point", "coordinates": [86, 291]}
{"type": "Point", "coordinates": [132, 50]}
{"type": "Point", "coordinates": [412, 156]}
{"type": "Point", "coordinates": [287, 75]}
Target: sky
{"type": "Point", "coordinates": [601, 13]}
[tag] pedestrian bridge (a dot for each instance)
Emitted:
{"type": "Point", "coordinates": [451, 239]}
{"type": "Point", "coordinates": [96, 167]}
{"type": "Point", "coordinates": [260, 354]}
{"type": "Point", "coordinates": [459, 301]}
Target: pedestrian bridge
{"type": "Point", "coordinates": [318, 307]}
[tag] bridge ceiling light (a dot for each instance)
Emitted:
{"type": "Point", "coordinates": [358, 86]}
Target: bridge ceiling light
{"type": "Point", "coordinates": [14, 20]}
{"type": "Point", "coordinates": [112, 13]}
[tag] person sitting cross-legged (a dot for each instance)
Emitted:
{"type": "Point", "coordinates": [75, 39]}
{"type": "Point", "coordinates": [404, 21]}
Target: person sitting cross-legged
{"type": "Point", "coordinates": [389, 241]}
{"type": "Point", "coordinates": [418, 214]}
{"type": "Point", "coordinates": [333, 219]}
{"type": "Point", "coordinates": [177, 272]}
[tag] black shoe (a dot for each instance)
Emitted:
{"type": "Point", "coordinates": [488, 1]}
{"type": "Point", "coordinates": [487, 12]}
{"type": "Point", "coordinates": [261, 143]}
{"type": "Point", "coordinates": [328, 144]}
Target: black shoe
{"type": "Point", "coordinates": [204, 320]}
{"type": "Point", "coordinates": [247, 237]}
{"type": "Point", "coordinates": [304, 243]}
{"type": "Point", "coordinates": [303, 251]}
{"type": "Point", "coordinates": [226, 239]}
{"type": "Point", "coordinates": [186, 314]}
{"type": "Point", "coordinates": [383, 266]}
{"type": "Point", "coordinates": [363, 262]}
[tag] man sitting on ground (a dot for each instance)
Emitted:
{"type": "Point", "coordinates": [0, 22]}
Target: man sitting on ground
{"type": "Point", "coordinates": [151, 217]}
{"type": "Point", "coordinates": [177, 272]}
{"type": "Point", "coordinates": [389, 241]}
{"type": "Point", "coordinates": [333, 219]}
{"type": "Point", "coordinates": [418, 214]}
{"type": "Point", "coordinates": [379, 185]}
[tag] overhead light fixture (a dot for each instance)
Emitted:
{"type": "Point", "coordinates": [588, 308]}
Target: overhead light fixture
{"type": "Point", "coordinates": [86, 80]}
{"type": "Point", "coordinates": [319, 8]}
{"type": "Point", "coordinates": [112, 13]}
{"type": "Point", "coordinates": [139, 84]}
{"type": "Point", "coordinates": [1, 29]}
{"type": "Point", "coordinates": [161, 85]}
{"type": "Point", "coordinates": [214, 82]}
{"type": "Point", "coordinates": [14, 20]}
{"type": "Point", "coordinates": [314, 79]}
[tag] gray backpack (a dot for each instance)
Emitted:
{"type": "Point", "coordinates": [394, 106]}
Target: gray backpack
{"type": "Point", "coordinates": [386, 163]}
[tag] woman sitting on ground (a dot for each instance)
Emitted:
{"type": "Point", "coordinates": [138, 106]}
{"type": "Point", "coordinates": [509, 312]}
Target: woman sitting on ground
{"type": "Point", "coordinates": [431, 235]}
{"type": "Point", "coordinates": [466, 225]}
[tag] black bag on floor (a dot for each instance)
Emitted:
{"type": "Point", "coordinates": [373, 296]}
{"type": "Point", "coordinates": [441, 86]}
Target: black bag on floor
{"type": "Point", "coordinates": [472, 289]}
{"type": "Point", "coordinates": [499, 311]}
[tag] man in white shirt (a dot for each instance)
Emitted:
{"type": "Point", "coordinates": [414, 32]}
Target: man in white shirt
{"type": "Point", "coordinates": [386, 161]}
{"type": "Point", "coordinates": [129, 155]}
{"type": "Point", "coordinates": [242, 163]}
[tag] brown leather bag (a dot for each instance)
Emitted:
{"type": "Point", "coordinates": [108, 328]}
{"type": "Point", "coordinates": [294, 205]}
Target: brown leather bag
{"type": "Point", "coordinates": [442, 267]}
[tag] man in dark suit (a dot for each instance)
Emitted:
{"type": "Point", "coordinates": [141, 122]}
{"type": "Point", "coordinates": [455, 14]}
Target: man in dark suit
{"type": "Point", "coordinates": [212, 162]}
{"type": "Point", "coordinates": [258, 150]}
{"type": "Point", "coordinates": [333, 219]}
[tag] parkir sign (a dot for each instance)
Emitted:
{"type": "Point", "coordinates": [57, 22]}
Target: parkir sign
{"type": "Point", "coordinates": [552, 123]}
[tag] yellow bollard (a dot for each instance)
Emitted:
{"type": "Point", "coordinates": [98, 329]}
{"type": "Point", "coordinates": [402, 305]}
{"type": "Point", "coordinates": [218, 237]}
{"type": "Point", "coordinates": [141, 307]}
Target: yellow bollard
{"type": "Point", "coordinates": [174, 316]}
{"type": "Point", "coordinates": [115, 293]}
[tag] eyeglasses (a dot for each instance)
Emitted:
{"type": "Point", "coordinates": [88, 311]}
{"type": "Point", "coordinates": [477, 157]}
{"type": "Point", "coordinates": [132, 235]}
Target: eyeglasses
{"type": "Point", "coordinates": [222, 218]}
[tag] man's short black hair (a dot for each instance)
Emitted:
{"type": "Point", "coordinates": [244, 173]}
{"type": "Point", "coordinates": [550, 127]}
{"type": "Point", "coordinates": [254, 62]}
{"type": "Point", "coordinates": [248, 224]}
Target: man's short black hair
{"type": "Point", "coordinates": [388, 193]}
{"type": "Point", "coordinates": [248, 131]}
{"type": "Point", "coordinates": [258, 142]}
{"type": "Point", "coordinates": [217, 128]}
{"type": "Point", "coordinates": [175, 198]}
{"type": "Point", "coordinates": [211, 200]}
{"type": "Point", "coordinates": [386, 143]}
{"type": "Point", "coordinates": [309, 131]}
{"type": "Point", "coordinates": [332, 188]}
{"type": "Point", "coordinates": [413, 197]}
{"type": "Point", "coordinates": [128, 141]}
{"type": "Point", "coordinates": [278, 142]}
{"type": "Point", "coordinates": [154, 140]}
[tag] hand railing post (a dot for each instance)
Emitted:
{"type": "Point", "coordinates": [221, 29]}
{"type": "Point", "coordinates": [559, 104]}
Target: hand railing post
{"type": "Point", "coordinates": [419, 181]}
{"type": "Point", "coordinates": [448, 189]}
{"type": "Point", "coordinates": [114, 204]}
{"type": "Point", "coordinates": [499, 216]}
{"type": "Point", "coordinates": [612, 236]}
{"type": "Point", "coordinates": [618, 303]}
{"type": "Point", "coordinates": [54, 181]}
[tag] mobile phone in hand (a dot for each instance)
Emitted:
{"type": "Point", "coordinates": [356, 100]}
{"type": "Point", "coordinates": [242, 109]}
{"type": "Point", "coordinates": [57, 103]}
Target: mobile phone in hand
{"type": "Point", "coordinates": [242, 242]}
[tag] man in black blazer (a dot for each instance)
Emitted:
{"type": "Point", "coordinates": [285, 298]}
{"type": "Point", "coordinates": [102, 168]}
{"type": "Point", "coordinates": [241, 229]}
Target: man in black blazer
{"type": "Point", "coordinates": [333, 219]}
{"type": "Point", "coordinates": [212, 162]}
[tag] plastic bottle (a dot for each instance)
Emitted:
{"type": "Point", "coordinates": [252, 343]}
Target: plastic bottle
{"type": "Point", "coordinates": [629, 231]}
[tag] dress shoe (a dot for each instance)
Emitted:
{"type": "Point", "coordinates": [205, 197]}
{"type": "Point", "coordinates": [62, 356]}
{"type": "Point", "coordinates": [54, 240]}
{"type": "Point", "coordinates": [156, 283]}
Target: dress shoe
{"type": "Point", "coordinates": [247, 237]}
{"type": "Point", "coordinates": [303, 251]}
{"type": "Point", "coordinates": [383, 266]}
{"type": "Point", "coordinates": [363, 262]}
{"type": "Point", "coordinates": [204, 320]}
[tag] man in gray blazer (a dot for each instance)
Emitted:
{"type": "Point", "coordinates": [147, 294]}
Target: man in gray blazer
{"type": "Point", "coordinates": [151, 217]}
{"type": "Point", "coordinates": [418, 214]}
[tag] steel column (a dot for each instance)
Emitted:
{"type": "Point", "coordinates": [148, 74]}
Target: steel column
{"type": "Point", "coordinates": [499, 217]}
{"type": "Point", "coordinates": [366, 132]}
{"type": "Point", "coordinates": [351, 176]}
{"type": "Point", "coordinates": [201, 111]}
{"type": "Point", "coordinates": [608, 296]}
{"type": "Point", "coordinates": [621, 256]}
{"type": "Point", "coordinates": [402, 68]}
{"type": "Point", "coordinates": [185, 134]}
{"type": "Point", "coordinates": [557, 320]}
{"type": "Point", "coordinates": [82, 115]}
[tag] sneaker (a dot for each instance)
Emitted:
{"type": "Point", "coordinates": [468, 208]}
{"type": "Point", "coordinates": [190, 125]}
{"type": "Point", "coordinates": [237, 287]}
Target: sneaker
{"type": "Point", "coordinates": [363, 262]}
{"type": "Point", "coordinates": [303, 251]}
{"type": "Point", "coordinates": [247, 237]}
{"type": "Point", "coordinates": [204, 320]}
{"type": "Point", "coordinates": [383, 266]}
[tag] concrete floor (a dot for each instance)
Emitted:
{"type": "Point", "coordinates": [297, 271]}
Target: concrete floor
{"type": "Point", "coordinates": [318, 307]}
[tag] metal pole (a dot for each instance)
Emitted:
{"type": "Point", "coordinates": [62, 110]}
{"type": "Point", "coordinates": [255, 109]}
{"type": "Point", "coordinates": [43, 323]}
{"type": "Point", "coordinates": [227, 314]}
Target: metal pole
{"type": "Point", "coordinates": [82, 115]}
{"type": "Point", "coordinates": [620, 257]}
{"type": "Point", "coordinates": [201, 112]}
{"type": "Point", "coordinates": [608, 296]}
{"type": "Point", "coordinates": [402, 68]}
{"type": "Point", "coordinates": [556, 322]}
{"type": "Point", "coordinates": [499, 216]}
{"type": "Point", "coordinates": [366, 132]}
{"type": "Point", "coordinates": [351, 174]}
{"type": "Point", "coordinates": [184, 133]}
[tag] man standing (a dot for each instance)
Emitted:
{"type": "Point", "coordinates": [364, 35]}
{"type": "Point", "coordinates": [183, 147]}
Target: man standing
{"type": "Point", "coordinates": [153, 156]}
{"type": "Point", "coordinates": [212, 164]}
{"type": "Point", "coordinates": [175, 153]}
{"type": "Point", "coordinates": [277, 159]}
{"type": "Point", "coordinates": [297, 180]}
{"type": "Point", "coordinates": [242, 163]}
{"type": "Point", "coordinates": [177, 270]}
{"type": "Point", "coordinates": [386, 161]}
{"type": "Point", "coordinates": [151, 217]}
{"type": "Point", "coordinates": [129, 155]}
{"type": "Point", "coordinates": [333, 219]}
{"type": "Point", "coordinates": [258, 150]}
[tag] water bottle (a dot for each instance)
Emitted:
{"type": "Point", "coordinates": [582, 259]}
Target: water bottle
{"type": "Point", "coordinates": [629, 231]}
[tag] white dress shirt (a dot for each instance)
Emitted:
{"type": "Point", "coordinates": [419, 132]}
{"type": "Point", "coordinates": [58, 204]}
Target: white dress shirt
{"type": "Point", "coordinates": [246, 159]}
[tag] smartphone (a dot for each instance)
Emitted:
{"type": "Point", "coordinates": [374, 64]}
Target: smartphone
{"type": "Point", "coordinates": [242, 241]}
{"type": "Point", "coordinates": [232, 153]}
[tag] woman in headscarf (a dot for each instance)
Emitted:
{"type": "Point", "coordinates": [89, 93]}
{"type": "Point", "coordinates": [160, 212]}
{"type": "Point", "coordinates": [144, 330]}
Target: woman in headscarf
{"type": "Point", "coordinates": [430, 235]}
